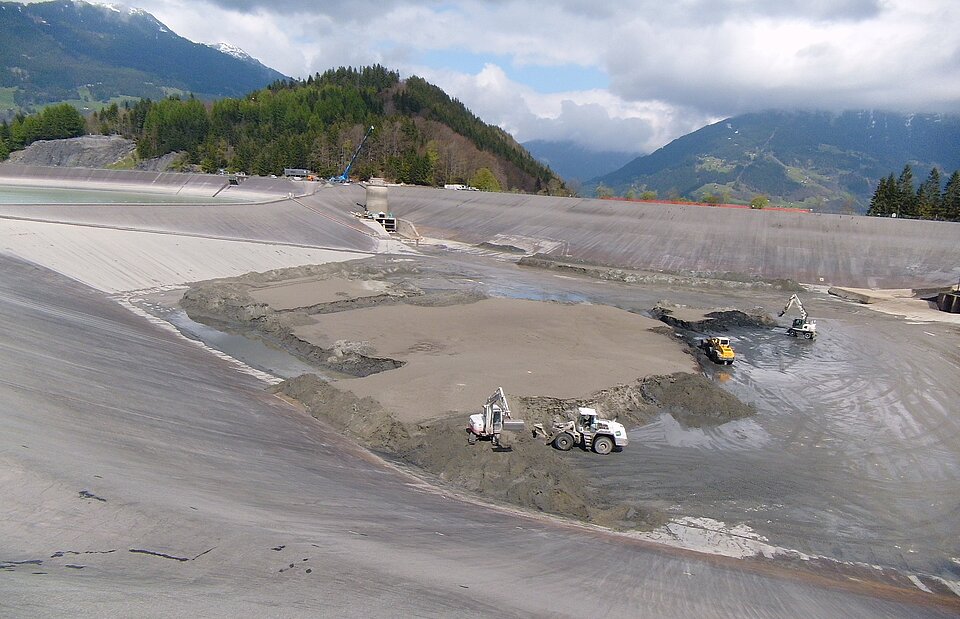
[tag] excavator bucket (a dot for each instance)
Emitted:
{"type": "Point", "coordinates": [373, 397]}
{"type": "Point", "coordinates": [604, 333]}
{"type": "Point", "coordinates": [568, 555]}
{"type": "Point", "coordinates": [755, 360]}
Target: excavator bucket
{"type": "Point", "coordinates": [514, 425]}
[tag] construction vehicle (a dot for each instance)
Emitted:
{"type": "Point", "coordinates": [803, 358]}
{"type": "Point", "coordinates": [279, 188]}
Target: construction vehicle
{"type": "Point", "coordinates": [493, 420]}
{"type": "Point", "coordinates": [801, 327]}
{"type": "Point", "coordinates": [587, 430]}
{"type": "Point", "coordinates": [719, 350]}
{"type": "Point", "coordinates": [344, 178]}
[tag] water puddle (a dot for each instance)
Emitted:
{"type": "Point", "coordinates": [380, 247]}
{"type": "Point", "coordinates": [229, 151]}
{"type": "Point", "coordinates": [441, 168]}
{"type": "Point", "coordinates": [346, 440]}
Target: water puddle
{"type": "Point", "coordinates": [253, 353]}
{"type": "Point", "coordinates": [666, 431]}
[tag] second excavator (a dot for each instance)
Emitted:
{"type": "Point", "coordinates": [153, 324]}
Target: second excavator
{"type": "Point", "coordinates": [801, 327]}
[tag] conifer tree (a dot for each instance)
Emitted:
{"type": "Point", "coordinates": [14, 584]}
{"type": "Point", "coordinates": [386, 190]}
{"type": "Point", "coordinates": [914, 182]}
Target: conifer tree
{"type": "Point", "coordinates": [951, 198]}
{"type": "Point", "coordinates": [907, 199]}
{"type": "Point", "coordinates": [930, 198]}
{"type": "Point", "coordinates": [885, 200]}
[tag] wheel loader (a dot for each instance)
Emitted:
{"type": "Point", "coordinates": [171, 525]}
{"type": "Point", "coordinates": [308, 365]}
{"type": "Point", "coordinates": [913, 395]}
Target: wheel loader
{"type": "Point", "coordinates": [719, 350]}
{"type": "Point", "coordinates": [587, 431]}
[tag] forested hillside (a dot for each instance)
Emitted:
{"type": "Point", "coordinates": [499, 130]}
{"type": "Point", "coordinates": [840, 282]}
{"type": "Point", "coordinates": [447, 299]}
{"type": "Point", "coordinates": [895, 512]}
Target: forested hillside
{"type": "Point", "coordinates": [421, 135]}
{"type": "Point", "coordinates": [53, 123]}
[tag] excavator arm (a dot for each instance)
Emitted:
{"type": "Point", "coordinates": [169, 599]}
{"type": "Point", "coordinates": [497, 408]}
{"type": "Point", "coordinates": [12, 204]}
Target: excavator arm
{"type": "Point", "coordinates": [794, 300]}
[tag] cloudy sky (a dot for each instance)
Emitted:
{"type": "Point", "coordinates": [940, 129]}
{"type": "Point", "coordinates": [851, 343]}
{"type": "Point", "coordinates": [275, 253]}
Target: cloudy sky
{"type": "Point", "coordinates": [628, 75]}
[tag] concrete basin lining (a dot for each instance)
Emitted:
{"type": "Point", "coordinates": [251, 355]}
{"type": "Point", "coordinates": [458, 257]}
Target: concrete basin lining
{"type": "Point", "coordinates": [807, 247]}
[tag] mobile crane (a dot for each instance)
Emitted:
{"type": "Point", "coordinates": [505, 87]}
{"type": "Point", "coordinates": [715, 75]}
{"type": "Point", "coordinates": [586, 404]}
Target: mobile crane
{"type": "Point", "coordinates": [801, 326]}
{"type": "Point", "coordinates": [345, 177]}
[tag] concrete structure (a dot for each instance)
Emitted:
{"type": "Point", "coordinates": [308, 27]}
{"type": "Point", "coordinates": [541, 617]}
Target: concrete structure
{"type": "Point", "coordinates": [833, 250]}
{"type": "Point", "coordinates": [841, 250]}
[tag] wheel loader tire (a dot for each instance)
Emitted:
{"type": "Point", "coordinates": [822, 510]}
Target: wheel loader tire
{"type": "Point", "coordinates": [809, 336]}
{"type": "Point", "coordinates": [603, 445]}
{"type": "Point", "coordinates": [563, 442]}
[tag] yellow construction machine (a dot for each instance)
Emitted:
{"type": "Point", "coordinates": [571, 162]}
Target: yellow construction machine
{"type": "Point", "coordinates": [719, 350]}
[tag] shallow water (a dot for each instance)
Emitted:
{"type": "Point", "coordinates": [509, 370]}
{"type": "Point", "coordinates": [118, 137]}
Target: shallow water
{"type": "Point", "coordinates": [252, 352]}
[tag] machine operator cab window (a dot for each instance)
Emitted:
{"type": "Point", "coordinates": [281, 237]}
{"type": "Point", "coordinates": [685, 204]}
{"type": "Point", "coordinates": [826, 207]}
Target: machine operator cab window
{"type": "Point", "coordinates": [588, 419]}
{"type": "Point", "coordinates": [497, 416]}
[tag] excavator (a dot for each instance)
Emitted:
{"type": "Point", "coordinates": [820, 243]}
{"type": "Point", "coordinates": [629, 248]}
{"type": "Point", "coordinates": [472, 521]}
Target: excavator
{"type": "Point", "coordinates": [801, 327]}
{"type": "Point", "coordinates": [494, 419]}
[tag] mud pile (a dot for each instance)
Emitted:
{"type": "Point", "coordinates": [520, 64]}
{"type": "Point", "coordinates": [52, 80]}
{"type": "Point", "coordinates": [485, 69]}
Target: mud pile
{"type": "Point", "coordinates": [688, 319]}
{"type": "Point", "coordinates": [524, 472]}
{"type": "Point", "coordinates": [363, 419]}
{"type": "Point", "coordinates": [693, 400]}
{"type": "Point", "coordinates": [527, 473]}
{"type": "Point", "coordinates": [228, 305]}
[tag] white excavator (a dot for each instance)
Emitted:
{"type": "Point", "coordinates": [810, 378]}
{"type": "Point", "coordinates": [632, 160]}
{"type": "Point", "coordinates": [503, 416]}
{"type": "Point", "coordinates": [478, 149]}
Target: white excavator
{"type": "Point", "coordinates": [801, 327]}
{"type": "Point", "coordinates": [493, 420]}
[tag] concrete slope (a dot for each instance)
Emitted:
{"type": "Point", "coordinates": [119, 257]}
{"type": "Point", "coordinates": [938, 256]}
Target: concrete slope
{"type": "Point", "coordinates": [126, 247]}
{"type": "Point", "coordinates": [811, 248]}
{"type": "Point", "coordinates": [143, 477]}
{"type": "Point", "coordinates": [161, 182]}
{"type": "Point", "coordinates": [306, 222]}
{"type": "Point", "coordinates": [306, 218]}
{"type": "Point", "coordinates": [114, 260]}
{"type": "Point", "coordinates": [250, 188]}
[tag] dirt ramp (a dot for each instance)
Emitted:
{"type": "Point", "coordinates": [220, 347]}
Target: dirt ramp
{"type": "Point", "coordinates": [363, 419]}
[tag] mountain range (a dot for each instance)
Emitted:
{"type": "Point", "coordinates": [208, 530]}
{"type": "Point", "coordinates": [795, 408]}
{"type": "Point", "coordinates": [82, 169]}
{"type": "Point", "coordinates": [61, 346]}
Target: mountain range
{"type": "Point", "coordinates": [575, 163]}
{"type": "Point", "coordinates": [819, 160]}
{"type": "Point", "coordinates": [92, 54]}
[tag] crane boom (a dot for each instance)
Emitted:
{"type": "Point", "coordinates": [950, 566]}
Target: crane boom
{"type": "Point", "coordinates": [345, 177]}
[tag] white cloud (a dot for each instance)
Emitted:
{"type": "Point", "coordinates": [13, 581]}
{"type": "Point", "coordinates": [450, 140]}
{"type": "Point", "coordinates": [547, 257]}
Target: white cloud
{"type": "Point", "coordinates": [670, 65]}
{"type": "Point", "coordinates": [596, 119]}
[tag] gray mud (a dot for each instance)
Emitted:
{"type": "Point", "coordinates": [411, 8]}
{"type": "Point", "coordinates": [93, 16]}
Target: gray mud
{"type": "Point", "coordinates": [711, 320]}
{"type": "Point", "coordinates": [713, 280]}
{"type": "Point", "coordinates": [525, 472]}
{"type": "Point", "coordinates": [228, 305]}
